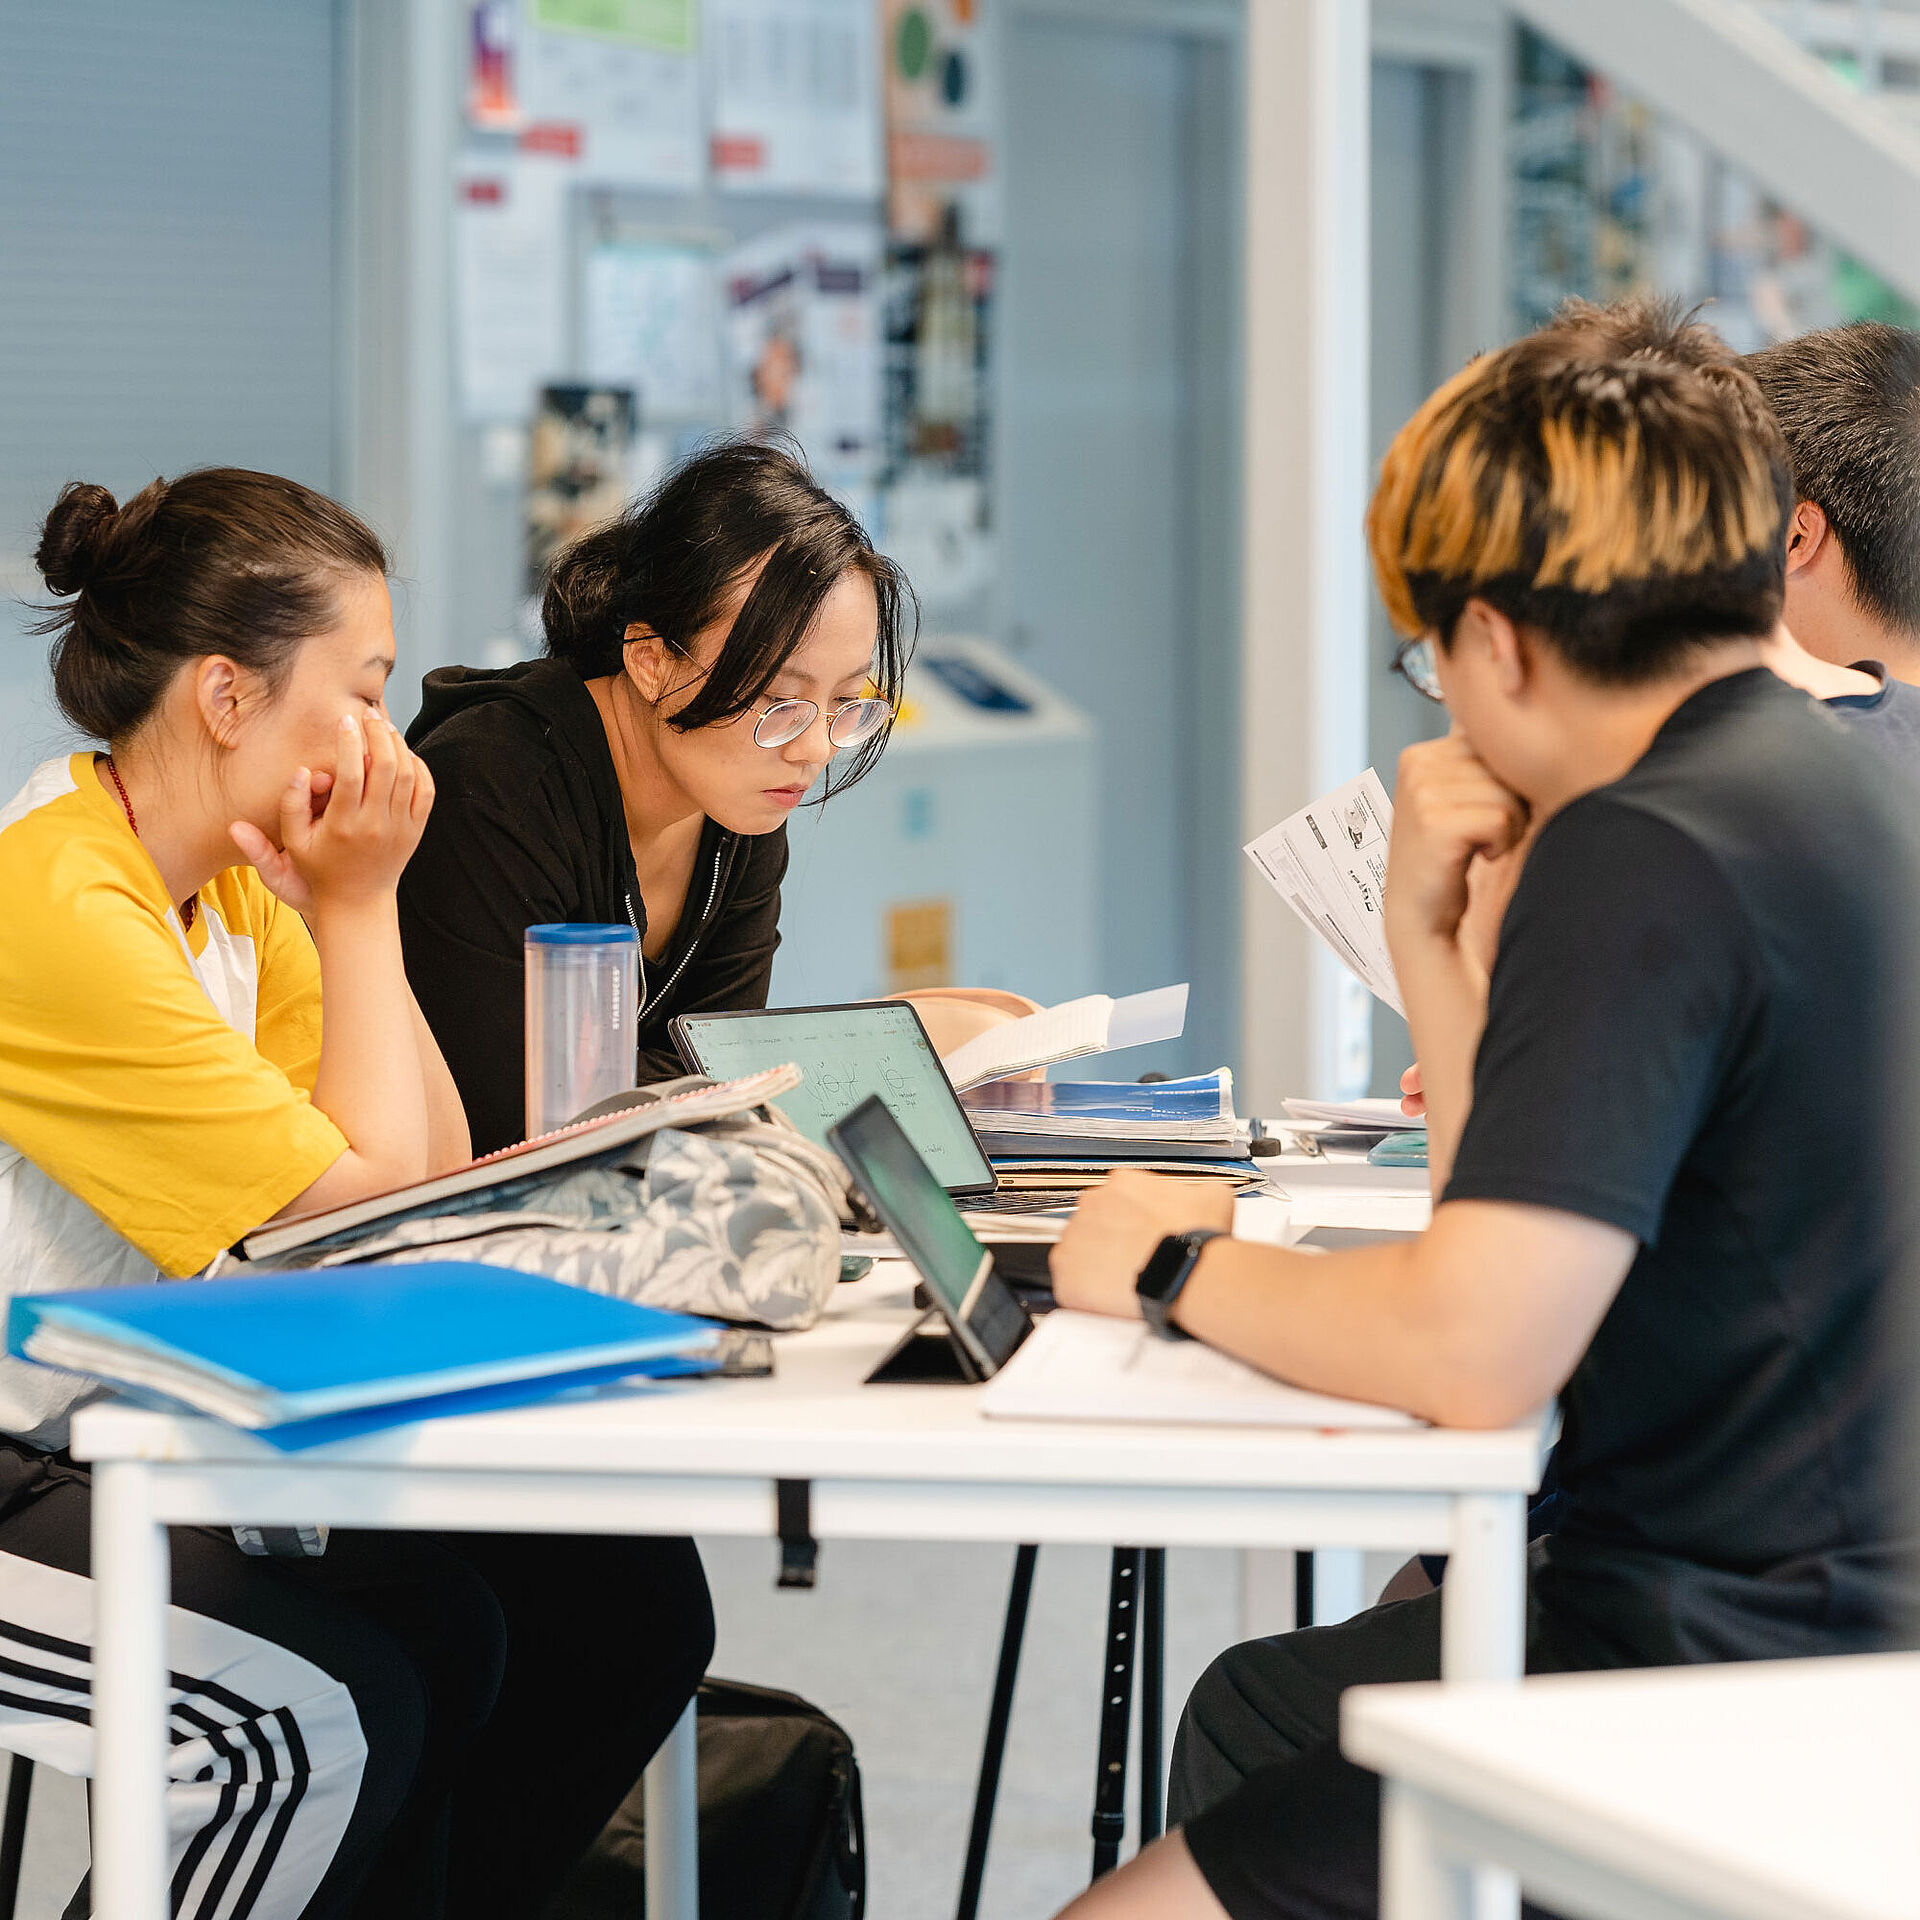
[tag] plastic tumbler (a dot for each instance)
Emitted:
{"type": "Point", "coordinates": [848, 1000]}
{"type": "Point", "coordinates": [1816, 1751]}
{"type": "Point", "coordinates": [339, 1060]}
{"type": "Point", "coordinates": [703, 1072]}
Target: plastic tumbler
{"type": "Point", "coordinates": [583, 1009]}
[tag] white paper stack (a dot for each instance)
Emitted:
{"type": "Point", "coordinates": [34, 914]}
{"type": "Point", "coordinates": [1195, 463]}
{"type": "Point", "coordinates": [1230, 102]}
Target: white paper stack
{"type": "Point", "coordinates": [1352, 1193]}
{"type": "Point", "coordinates": [1356, 1116]}
{"type": "Point", "coordinates": [1328, 862]}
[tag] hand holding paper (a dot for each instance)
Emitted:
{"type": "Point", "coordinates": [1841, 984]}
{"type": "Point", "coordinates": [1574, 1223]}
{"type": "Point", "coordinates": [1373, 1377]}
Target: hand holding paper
{"type": "Point", "coordinates": [1328, 862]}
{"type": "Point", "coordinates": [1070, 1031]}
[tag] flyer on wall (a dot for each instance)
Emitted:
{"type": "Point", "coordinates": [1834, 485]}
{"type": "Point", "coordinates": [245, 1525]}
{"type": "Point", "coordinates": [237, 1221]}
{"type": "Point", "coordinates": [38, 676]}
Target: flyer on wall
{"type": "Point", "coordinates": [803, 342]}
{"type": "Point", "coordinates": [795, 90]}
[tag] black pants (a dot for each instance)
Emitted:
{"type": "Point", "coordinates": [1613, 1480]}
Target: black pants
{"type": "Point", "coordinates": [1280, 1826]}
{"type": "Point", "coordinates": [507, 1691]}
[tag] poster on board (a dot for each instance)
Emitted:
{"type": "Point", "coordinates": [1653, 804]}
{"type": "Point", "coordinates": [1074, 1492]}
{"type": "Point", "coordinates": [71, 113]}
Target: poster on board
{"type": "Point", "coordinates": [650, 320]}
{"type": "Point", "coordinates": [943, 225]}
{"type": "Point", "coordinates": [577, 468]}
{"type": "Point", "coordinates": [665, 26]}
{"type": "Point", "coordinates": [942, 118]}
{"type": "Point", "coordinates": [625, 112]}
{"type": "Point", "coordinates": [803, 342]}
{"type": "Point", "coordinates": [509, 261]}
{"type": "Point", "coordinates": [795, 96]}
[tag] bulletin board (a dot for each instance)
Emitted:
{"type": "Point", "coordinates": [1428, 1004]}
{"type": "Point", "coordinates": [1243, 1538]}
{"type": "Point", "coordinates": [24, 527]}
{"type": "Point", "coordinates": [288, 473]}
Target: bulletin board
{"type": "Point", "coordinates": [761, 216]}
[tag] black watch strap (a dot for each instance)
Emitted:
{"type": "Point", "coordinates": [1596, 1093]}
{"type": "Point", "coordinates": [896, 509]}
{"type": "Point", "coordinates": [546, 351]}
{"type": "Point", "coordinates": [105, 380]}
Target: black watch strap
{"type": "Point", "coordinates": [1164, 1277]}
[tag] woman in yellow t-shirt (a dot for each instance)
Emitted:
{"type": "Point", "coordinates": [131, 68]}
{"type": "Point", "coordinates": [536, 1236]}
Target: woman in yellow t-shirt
{"type": "Point", "coordinates": [397, 1725]}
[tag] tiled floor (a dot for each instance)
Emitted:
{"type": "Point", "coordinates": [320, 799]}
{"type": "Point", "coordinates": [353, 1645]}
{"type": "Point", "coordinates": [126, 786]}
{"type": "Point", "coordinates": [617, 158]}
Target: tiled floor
{"type": "Point", "coordinates": [899, 1644]}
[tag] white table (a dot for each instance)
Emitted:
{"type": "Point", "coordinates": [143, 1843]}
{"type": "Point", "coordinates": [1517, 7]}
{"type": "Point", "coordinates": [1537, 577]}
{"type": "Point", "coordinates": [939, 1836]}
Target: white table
{"type": "Point", "coordinates": [902, 1462]}
{"type": "Point", "coordinates": [1781, 1790]}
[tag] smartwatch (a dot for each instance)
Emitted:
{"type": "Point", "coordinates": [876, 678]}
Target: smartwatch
{"type": "Point", "coordinates": [1163, 1277]}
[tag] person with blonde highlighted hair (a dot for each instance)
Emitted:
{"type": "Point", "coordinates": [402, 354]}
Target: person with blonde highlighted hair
{"type": "Point", "coordinates": [1583, 544]}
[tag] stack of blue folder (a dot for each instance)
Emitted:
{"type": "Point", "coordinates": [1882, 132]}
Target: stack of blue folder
{"type": "Point", "coordinates": [299, 1358]}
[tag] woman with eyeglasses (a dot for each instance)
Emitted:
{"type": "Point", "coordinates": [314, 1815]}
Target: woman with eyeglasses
{"type": "Point", "coordinates": [709, 654]}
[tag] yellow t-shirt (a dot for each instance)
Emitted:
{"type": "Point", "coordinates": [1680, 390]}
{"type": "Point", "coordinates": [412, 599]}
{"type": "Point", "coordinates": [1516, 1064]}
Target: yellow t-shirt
{"type": "Point", "coordinates": [154, 1080]}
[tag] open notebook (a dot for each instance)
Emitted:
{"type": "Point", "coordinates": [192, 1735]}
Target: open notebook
{"type": "Point", "coordinates": [1085, 1366]}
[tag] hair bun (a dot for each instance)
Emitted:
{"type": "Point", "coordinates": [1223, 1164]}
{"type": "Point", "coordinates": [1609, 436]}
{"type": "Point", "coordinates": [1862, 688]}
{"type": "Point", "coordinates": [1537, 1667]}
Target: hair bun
{"type": "Point", "coordinates": [71, 542]}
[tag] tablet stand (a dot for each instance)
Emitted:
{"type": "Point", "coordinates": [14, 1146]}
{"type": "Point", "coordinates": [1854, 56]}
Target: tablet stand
{"type": "Point", "coordinates": [928, 1354]}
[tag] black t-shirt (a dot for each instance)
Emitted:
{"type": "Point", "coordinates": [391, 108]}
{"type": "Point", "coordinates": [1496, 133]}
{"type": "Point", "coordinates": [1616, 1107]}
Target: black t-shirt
{"type": "Point", "coordinates": [1889, 721]}
{"type": "Point", "coordinates": [1698, 1018]}
{"type": "Point", "coordinates": [528, 827]}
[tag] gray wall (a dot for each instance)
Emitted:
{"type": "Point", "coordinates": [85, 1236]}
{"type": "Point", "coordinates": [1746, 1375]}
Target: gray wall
{"type": "Point", "coordinates": [1118, 490]}
{"type": "Point", "coordinates": [167, 268]}
{"type": "Point", "coordinates": [1419, 128]}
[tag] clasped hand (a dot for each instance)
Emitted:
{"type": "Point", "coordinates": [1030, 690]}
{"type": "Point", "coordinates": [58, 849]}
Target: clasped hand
{"type": "Point", "coordinates": [1448, 811]}
{"type": "Point", "coordinates": [345, 834]}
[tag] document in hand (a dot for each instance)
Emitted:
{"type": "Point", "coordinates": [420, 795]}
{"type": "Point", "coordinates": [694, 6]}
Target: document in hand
{"type": "Point", "coordinates": [1084, 1366]}
{"type": "Point", "coordinates": [1070, 1031]}
{"type": "Point", "coordinates": [304, 1357]}
{"type": "Point", "coordinates": [1328, 862]}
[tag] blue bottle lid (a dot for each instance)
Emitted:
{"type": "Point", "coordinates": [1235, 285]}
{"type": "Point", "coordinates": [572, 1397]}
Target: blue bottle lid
{"type": "Point", "coordinates": [580, 933]}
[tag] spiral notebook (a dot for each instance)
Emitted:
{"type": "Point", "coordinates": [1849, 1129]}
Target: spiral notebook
{"type": "Point", "coordinates": [562, 1147]}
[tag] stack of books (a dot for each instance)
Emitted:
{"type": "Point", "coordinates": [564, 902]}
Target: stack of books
{"type": "Point", "coordinates": [1066, 1135]}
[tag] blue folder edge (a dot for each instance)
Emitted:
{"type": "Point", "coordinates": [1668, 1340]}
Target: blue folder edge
{"type": "Point", "coordinates": [295, 1436]}
{"type": "Point", "coordinates": [602, 1333]}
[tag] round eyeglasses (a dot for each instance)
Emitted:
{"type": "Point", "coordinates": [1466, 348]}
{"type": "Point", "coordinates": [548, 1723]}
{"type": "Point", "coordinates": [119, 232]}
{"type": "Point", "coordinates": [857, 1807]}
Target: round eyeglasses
{"type": "Point", "coordinates": [1413, 661]}
{"type": "Point", "coordinates": [850, 723]}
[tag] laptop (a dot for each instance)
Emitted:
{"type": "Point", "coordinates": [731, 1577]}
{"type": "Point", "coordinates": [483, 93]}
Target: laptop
{"type": "Point", "coordinates": [846, 1054]}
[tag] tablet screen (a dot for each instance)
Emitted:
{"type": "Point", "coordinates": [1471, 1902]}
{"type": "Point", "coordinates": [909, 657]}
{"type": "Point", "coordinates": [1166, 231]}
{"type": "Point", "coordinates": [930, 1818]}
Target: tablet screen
{"type": "Point", "coordinates": [931, 1230]}
{"type": "Point", "coordinates": [847, 1053]}
{"type": "Point", "coordinates": [988, 1322]}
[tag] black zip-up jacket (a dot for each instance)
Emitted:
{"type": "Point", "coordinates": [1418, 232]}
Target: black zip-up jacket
{"type": "Point", "coordinates": [527, 827]}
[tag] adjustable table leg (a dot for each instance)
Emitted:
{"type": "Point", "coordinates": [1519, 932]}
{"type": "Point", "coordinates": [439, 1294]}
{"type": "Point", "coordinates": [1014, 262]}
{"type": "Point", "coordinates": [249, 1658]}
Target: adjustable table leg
{"type": "Point", "coordinates": [1116, 1710]}
{"type": "Point", "coordinates": [1153, 1660]}
{"type": "Point", "coordinates": [995, 1749]}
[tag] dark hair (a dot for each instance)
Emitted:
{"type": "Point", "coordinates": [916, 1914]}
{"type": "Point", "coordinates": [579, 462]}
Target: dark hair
{"type": "Point", "coordinates": [1612, 480]}
{"type": "Point", "coordinates": [219, 561]}
{"type": "Point", "coordinates": [669, 561]}
{"type": "Point", "coordinates": [1848, 402]}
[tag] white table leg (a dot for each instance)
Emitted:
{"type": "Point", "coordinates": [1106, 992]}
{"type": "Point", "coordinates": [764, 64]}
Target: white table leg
{"type": "Point", "coordinates": [1339, 1584]}
{"type": "Point", "coordinates": [1417, 1882]}
{"type": "Point", "coordinates": [672, 1803]}
{"type": "Point", "coordinates": [1483, 1602]}
{"type": "Point", "coordinates": [131, 1583]}
{"type": "Point", "coordinates": [1483, 1633]}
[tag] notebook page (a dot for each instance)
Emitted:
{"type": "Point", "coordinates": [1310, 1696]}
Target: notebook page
{"type": "Point", "coordinates": [1065, 1032]}
{"type": "Point", "coordinates": [1084, 1366]}
{"type": "Point", "coordinates": [1069, 1031]}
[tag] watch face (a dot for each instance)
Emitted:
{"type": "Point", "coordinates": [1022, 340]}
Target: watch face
{"type": "Point", "coordinates": [1160, 1272]}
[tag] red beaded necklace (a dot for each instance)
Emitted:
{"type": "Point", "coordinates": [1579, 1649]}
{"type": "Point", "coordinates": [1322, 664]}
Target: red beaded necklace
{"type": "Point", "coordinates": [126, 806]}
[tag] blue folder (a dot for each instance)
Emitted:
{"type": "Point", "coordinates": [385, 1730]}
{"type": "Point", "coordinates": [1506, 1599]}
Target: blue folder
{"type": "Point", "coordinates": [299, 1358]}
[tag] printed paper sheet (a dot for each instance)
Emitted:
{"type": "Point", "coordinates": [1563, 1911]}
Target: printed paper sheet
{"type": "Point", "coordinates": [1329, 863]}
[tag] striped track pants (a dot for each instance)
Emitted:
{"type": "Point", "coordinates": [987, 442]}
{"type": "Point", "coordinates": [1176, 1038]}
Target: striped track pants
{"type": "Point", "coordinates": [267, 1751]}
